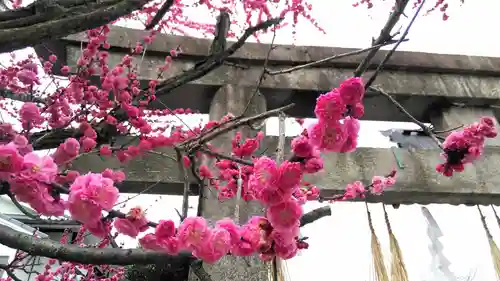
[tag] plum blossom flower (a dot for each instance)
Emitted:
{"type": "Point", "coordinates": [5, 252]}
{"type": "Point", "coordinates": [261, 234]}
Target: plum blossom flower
{"type": "Point", "coordinates": [215, 247]}
{"type": "Point", "coordinates": [10, 161]}
{"type": "Point", "coordinates": [88, 195]}
{"type": "Point", "coordinates": [42, 168]}
{"type": "Point", "coordinates": [354, 190]}
{"type": "Point", "coordinates": [329, 136]}
{"type": "Point", "coordinates": [330, 106]}
{"type": "Point", "coordinates": [165, 229]}
{"type": "Point", "coordinates": [134, 223]}
{"type": "Point", "coordinates": [352, 90]}
{"type": "Point", "coordinates": [285, 215]}
{"type": "Point", "coordinates": [150, 242]}
{"type": "Point", "coordinates": [193, 232]}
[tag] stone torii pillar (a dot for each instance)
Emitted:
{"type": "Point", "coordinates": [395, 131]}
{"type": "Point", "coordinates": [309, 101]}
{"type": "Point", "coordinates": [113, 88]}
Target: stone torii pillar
{"type": "Point", "coordinates": [233, 99]}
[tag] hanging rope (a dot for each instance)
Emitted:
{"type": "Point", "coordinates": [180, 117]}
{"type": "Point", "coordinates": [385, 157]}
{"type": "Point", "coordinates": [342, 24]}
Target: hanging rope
{"type": "Point", "coordinates": [378, 257]}
{"type": "Point", "coordinates": [398, 268]}
{"type": "Point", "coordinates": [495, 252]}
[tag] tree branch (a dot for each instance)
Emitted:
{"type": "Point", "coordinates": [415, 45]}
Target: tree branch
{"type": "Point", "coordinates": [59, 22]}
{"type": "Point", "coordinates": [9, 272]}
{"type": "Point", "coordinates": [393, 50]}
{"type": "Point", "coordinates": [115, 256]}
{"type": "Point", "coordinates": [160, 14]}
{"type": "Point", "coordinates": [195, 144]}
{"type": "Point", "coordinates": [315, 215]}
{"type": "Point", "coordinates": [67, 252]}
{"type": "Point", "coordinates": [24, 97]}
{"type": "Point", "coordinates": [197, 267]}
{"type": "Point", "coordinates": [21, 207]}
{"type": "Point", "coordinates": [333, 57]}
{"type": "Point", "coordinates": [213, 61]}
{"type": "Point", "coordinates": [385, 35]}
{"type": "Point", "coordinates": [220, 37]}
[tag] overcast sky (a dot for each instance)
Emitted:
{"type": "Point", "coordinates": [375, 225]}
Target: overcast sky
{"type": "Point", "coordinates": [340, 244]}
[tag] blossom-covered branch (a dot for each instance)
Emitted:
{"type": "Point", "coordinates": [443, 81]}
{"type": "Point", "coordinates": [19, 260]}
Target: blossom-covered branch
{"type": "Point", "coordinates": [74, 253]}
{"type": "Point", "coordinates": [117, 256]}
{"type": "Point", "coordinates": [119, 106]}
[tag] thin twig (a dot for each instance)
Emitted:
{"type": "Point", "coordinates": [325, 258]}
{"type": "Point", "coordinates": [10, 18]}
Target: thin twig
{"type": "Point", "coordinates": [262, 75]}
{"type": "Point", "coordinates": [334, 57]}
{"type": "Point", "coordinates": [9, 272]}
{"type": "Point", "coordinates": [185, 193]}
{"type": "Point", "coordinates": [225, 157]}
{"type": "Point", "coordinates": [21, 207]}
{"type": "Point", "coordinates": [140, 193]}
{"type": "Point", "coordinates": [159, 15]}
{"type": "Point", "coordinates": [233, 125]}
{"type": "Point", "coordinates": [424, 128]}
{"type": "Point", "coordinates": [448, 130]}
{"type": "Point", "coordinates": [385, 35]}
{"type": "Point", "coordinates": [393, 50]}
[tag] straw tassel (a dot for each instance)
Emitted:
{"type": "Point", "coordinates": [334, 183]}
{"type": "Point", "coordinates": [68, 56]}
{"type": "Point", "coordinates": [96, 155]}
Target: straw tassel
{"type": "Point", "coordinates": [378, 258]}
{"type": "Point", "coordinates": [398, 268]}
{"type": "Point", "coordinates": [495, 252]}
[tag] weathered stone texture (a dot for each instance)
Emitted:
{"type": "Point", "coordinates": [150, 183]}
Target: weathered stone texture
{"type": "Point", "coordinates": [419, 81]}
{"type": "Point", "coordinates": [233, 99]}
{"type": "Point", "coordinates": [418, 182]}
{"type": "Point", "coordinates": [289, 54]}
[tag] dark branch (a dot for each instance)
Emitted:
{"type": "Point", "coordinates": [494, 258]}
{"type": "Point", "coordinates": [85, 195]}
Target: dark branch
{"type": "Point", "coordinates": [197, 267]}
{"type": "Point", "coordinates": [9, 272]}
{"type": "Point", "coordinates": [160, 14]}
{"type": "Point", "coordinates": [315, 215]}
{"type": "Point", "coordinates": [393, 50]}
{"type": "Point", "coordinates": [220, 37]}
{"type": "Point", "coordinates": [385, 35]}
{"type": "Point", "coordinates": [97, 256]}
{"type": "Point", "coordinates": [192, 145]}
{"type": "Point", "coordinates": [213, 61]}
{"type": "Point", "coordinates": [4, 93]}
{"type": "Point", "coordinates": [21, 207]}
{"type": "Point", "coordinates": [57, 21]}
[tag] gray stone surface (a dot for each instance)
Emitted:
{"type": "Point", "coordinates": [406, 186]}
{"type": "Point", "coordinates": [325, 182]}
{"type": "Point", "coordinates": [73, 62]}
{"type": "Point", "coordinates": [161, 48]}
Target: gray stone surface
{"type": "Point", "coordinates": [418, 182]}
{"type": "Point", "coordinates": [421, 82]}
{"type": "Point", "coordinates": [418, 81]}
{"type": "Point", "coordinates": [233, 99]}
{"type": "Point", "coordinates": [288, 54]}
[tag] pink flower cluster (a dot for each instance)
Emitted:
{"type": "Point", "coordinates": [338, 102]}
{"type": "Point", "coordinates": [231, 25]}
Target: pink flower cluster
{"type": "Point", "coordinates": [88, 196]}
{"type": "Point", "coordinates": [465, 146]}
{"type": "Point", "coordinates": [212, 243]}
{"type": "Point", "coordinates": [378, 185]}
{"type": "Point", "coordinates": [279, 187]}
{"type": "Point", "coordinates": [30, 176]}
{"type": "Point", "coordinates": [338, 112]}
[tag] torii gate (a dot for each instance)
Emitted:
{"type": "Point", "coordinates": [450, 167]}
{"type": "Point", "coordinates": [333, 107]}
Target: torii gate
{"type": "Point", "coordinates": [445, 90]}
